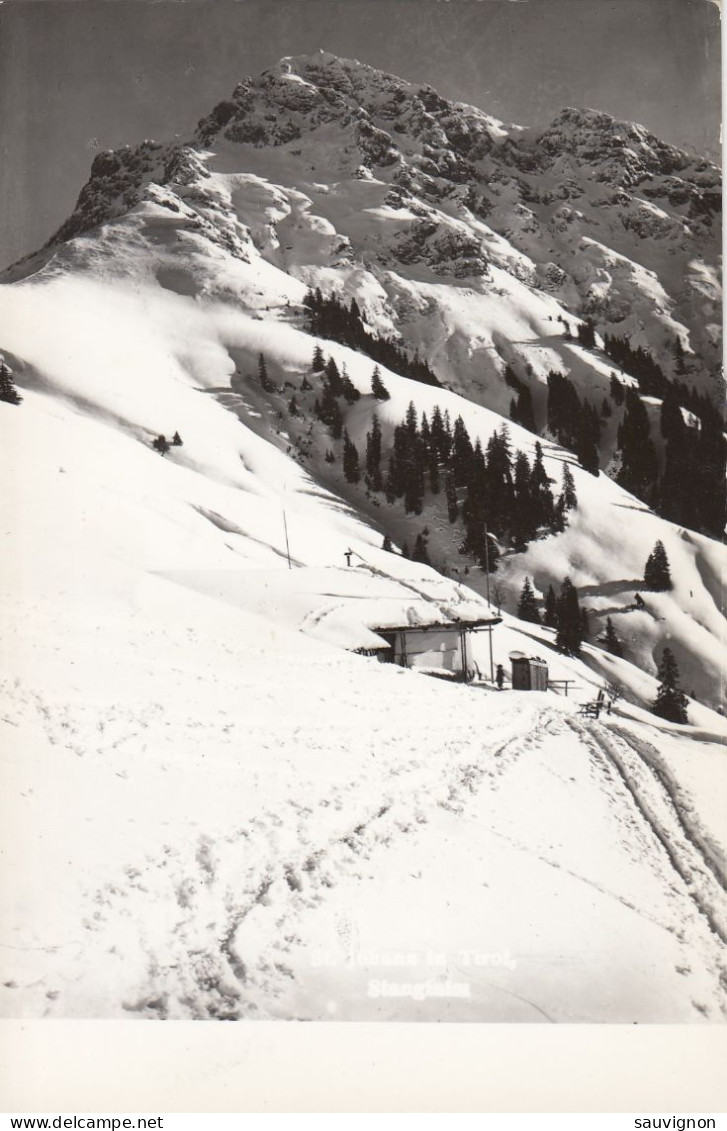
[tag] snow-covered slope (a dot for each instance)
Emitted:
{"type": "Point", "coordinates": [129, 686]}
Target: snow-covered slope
{"type": "Point", "coordinates": [207, 814]}
{"type": "Point", "coordinates": [212, 807]}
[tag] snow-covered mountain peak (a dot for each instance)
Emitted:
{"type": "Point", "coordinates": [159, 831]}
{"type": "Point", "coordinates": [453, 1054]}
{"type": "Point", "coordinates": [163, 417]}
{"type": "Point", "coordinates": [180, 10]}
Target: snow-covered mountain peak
{"type": "Point", "coordinates": [620, 152]}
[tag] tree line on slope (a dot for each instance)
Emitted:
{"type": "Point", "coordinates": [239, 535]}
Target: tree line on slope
{"type": "Point", "coordinates": [690, 487]}
{"type": "Point", "coordinates": [329, 317]}
{"type": "Point", "coordinates": [687, 486]}
{"type": "Point", "coordinates": [497, 492]}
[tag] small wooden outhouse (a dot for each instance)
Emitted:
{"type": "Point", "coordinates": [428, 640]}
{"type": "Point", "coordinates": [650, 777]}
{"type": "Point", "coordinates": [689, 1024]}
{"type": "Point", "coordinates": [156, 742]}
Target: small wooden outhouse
{"type": "Point", "coordinates": [529, 673]}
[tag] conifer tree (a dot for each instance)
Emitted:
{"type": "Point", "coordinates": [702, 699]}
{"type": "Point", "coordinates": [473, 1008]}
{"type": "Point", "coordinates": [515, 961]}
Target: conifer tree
{"type": "Point", "coordinates": [421, 552]}
{"type": "Point", "coordinates": [500, 494]}
{"type": "Point", "coordinates": [679, 366]}
{"type": "Point", "coordinates": [8, 393]}
{"type": "Point", "coordinates": [541, 493]}
{"type": "Point", "coordinates": [657, 575]}
{"type": "Point", "coordinates": [616, 389]}
{"type": "Point", "coordinates": [414, 483]}
{"type": "Point", "coordinates": [558, 524]}
{"type": "Point", "coordinates": [587, 334]}
{"type": "Point", "coordinates": [293, 406]}
{"type": "Point", "coordinates": [433, 468]}
{"type": "Point", "coordinates": [671, 419]}
{"type": "Point", "coordinates": [161, 445]}
{"type": "Point", "coordinates": [437, 434]}
{"type": "Point", "coordinates": [611, 641]}
{"type": "Point", "coordinates": [390, 480]}
{"type": "Point", "coordinates": [378, 388]}
{"type": "Point", "coordinates": [521, 408]}
{"type": "Point", "coordinates": [523, 520]}
{"type": "Point", "coordinates": [639, 466]}
{"type": "Point", "coordinates": [527, 608]}
{"type": "Point", "coordinates": [569, 635]}
{"type": "Point", "coordinates": [451, 496]}
{"type": "Point", "coordinates": [586, 447]}
{"type": "Point", "coordinates": [177, 440]}
{"type": "Point", "coordinates": [319, 361]}
{"type": "Point", "coordinates": [670, 702]}
{"type": "Point", "coordinates": [411, 421]}
{"type": "Point", "coordinates": [351, 468]}
{"type": "Point", "coordinates": [305, 385]}
{"type": "Point", "coordinates": [425, 433]}
{"type": "Point", "coordinates": [447, 434]}
{"type": "Point", "coordinates": [333, 377]}
{"type": "Point", "coordinates": [335, 422]}
{"type": "Point", "coordinates": [373, 455]}
{"type": "Point", "coordinates": [349, 390]}
{"type": "Point", "coordinates": [387, 544]}
{"type": "Point", "coordinates": [585, 626]}
{"type": "Point", "coordinates": [570, 499]}
{"type": "Point", "coordinates": [550, 616]}
{"type": "Point", "coordinates": [461, 453]}
{"type": "Point", "coordinates": [262, 372]}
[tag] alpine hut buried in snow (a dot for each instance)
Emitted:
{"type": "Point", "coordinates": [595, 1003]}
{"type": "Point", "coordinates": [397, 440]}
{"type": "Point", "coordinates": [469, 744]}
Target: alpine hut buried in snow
{"type": "Point", "coordinates": [417, 620]}
{"type": "Point", "coordinates": [442, 647]}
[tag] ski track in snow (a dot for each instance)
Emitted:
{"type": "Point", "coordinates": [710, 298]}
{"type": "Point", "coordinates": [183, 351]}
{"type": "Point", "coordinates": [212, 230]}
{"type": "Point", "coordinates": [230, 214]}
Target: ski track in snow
{"type": "Point", "coordinates": [653, 796]}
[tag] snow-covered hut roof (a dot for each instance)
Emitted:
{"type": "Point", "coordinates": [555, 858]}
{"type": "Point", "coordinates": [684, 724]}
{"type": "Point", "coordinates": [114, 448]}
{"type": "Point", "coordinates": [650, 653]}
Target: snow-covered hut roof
{"type": "Point", "coordinates": [346, 606]}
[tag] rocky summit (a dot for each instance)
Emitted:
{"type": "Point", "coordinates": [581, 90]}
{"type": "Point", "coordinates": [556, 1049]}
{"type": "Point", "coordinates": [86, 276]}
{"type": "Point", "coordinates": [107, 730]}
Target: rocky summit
{"type": "Point", "coordinates": [599, 214]}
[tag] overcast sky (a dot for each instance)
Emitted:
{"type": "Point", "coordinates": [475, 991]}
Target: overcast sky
{"type": "Point", "coordinates": [79, 75]}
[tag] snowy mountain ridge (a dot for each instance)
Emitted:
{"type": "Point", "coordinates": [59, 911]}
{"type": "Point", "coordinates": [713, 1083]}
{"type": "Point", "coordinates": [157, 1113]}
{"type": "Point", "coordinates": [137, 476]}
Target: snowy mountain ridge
{"type": "Point", "coordinates": [562, 209]}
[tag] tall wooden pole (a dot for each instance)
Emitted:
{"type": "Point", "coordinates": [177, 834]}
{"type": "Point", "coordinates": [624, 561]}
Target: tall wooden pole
{"type": "Point", "coordinates": [487, 583]}
{"type": "Point", "coordinates": [287, 544]}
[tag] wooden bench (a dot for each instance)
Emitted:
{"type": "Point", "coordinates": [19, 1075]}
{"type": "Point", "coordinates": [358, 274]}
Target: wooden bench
{"type": "Point", "coordinates": [593, 709]}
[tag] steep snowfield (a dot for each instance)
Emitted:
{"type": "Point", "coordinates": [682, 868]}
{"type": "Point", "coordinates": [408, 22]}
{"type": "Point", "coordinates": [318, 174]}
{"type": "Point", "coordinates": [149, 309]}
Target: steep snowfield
{"type": "Point", "coordinates": [211, 806]}
{"type": "Point", "coordinates": [207, 814]}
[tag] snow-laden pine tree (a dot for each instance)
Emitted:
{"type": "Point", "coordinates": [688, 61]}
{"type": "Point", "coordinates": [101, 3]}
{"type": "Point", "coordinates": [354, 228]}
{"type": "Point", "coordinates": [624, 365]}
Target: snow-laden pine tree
{"type": "Point", "coordinates": [527, 608]}
{"type": "Point", "coordinates": [351, 468]}
{"type": "Point", "coordinates": [378, 388]}
{"type": "Point", "coordinates": [349, 390]}
{"type": "Point", "coordinates": [611, 641]}
{"type": "Point", "coordinates": [550, 613]}
{"type": "Point", "coordinates": [657, 575]}
{"type": "Point", "coordinates": [262, 372]}
{"type": "Point", "coordinates": [373, 455]}
{"type": "Point", "coordinates": [451, 496]}
{"type": "Point", "coordinates": [670, 702]}
{"type": "Point", "coordinates": [570, 631]}
{"type": "Point", "coordinates": [568, 493]}
{"type": "Point", "coordinates": [542, 495]}
{"type": "Point", "coordinates": [420, 552]}
{"type": "Point", "coordinates": [8, 392]}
